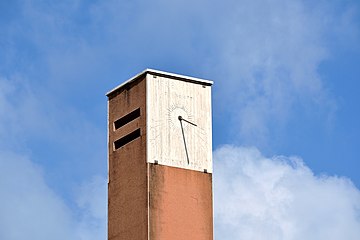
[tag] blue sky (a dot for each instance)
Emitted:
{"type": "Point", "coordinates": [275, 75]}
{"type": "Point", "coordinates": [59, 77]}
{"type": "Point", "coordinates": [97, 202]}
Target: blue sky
{"type": "Point", "coordinates": [285, 109]}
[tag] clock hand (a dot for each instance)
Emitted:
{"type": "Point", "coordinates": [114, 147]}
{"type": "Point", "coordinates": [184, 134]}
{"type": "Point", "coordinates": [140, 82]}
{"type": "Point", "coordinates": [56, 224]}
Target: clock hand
{"type": "Point", "coordinates": [182, 119]}
{"type": "Point", "coordinates": [183, 134]}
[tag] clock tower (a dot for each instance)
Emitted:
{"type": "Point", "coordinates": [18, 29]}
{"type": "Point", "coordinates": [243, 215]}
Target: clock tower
{"type": "Point", "coordinates": [160, 158]}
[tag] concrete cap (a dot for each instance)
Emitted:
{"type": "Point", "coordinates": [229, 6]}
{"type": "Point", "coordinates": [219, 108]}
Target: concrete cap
{"type": "Point", "coordinates": [162, 74]}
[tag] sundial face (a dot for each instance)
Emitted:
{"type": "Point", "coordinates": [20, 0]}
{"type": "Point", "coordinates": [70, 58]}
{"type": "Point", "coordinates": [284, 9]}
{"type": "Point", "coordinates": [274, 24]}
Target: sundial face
{"type": "Point", "coordinates": [179, 123]}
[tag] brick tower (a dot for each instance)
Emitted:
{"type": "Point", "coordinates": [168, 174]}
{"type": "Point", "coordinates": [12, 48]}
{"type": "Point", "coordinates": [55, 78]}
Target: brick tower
{"type": "Point", "coordinates": [160, 158]}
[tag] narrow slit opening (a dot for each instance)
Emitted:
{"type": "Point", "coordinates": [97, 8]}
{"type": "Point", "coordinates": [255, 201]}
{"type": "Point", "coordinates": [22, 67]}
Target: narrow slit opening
{"type": "Point", "coordinates": [126, 139]}
{"type": "Point", "coordinates": [127, 118]}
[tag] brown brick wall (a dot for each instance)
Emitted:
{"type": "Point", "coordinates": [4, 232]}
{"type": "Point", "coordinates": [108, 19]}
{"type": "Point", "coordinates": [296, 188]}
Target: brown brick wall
{"type": "Point", "coordinates": [180, 204]}
{"type": "Point", "coordinates": [127, 188]}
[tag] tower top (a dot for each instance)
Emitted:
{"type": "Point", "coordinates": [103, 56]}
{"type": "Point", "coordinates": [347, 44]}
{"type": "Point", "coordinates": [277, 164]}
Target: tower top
{"type": "Point", "coordinates": [160, 158]}
{"type": "Point", "coordinates": [161, 74]}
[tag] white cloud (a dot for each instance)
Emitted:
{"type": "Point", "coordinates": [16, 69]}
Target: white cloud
{"type": "Point", "coordinates": [92, 202]}
{"type": "Point", "coordinates": [255, 198]}
{"type": "Point", "coordinates": [280, 198]}
{"type": "Point", "coordinates": [269, 60]}
{"type": "Point", "coordinates": [22, 112]}
{"type": "Point", "coordinates": [32, 119]}
{"type": "Point", "coordinates": [30, 209]}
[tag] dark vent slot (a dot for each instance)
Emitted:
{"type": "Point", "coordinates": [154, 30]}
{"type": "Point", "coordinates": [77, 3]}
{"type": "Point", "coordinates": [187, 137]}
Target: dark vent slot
{"type": "Point", "coordinates": [128, 138]}
{"type": "Point", "coordinates": [127, 118]}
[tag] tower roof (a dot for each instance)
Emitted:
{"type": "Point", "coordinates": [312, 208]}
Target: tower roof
{"type": "Point", "coordinates": [161, 74]}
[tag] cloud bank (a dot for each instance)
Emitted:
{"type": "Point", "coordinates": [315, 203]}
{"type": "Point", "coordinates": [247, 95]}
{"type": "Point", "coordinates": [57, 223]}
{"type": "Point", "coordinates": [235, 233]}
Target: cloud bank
{"type": "Point", "coordinates": [257, 197]}
{"type": "Point", "coordinates": [269, 63]}
{"type": "Point", "coordinates": [31, 204]}
{"type": "Point", "coordinates": [30, 209]}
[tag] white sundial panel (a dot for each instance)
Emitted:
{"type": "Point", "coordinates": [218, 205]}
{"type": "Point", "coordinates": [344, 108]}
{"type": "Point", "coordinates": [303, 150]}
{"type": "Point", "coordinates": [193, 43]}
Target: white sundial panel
{"type": "Point", "coordinates": [185, 143]}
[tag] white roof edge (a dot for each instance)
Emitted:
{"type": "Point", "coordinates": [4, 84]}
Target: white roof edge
{"type": "Point", "coordinates": [157, 72]}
